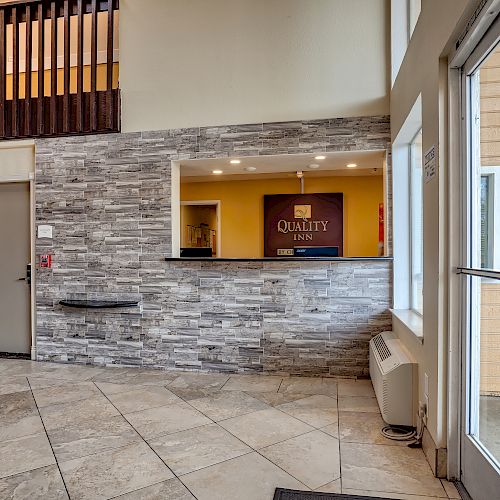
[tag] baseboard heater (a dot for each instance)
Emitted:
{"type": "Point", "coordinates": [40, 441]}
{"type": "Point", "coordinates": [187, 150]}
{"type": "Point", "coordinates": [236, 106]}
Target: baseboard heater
{"type": "Point", "coordinates": [394, 378]}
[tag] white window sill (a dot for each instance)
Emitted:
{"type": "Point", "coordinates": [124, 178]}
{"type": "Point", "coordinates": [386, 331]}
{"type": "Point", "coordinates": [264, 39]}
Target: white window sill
{"type": "Point", "coordinates": [412, 321]}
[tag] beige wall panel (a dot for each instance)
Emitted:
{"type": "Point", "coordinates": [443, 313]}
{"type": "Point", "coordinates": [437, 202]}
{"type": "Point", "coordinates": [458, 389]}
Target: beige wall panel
{"type": "Point", "coordinates": [191, 63]}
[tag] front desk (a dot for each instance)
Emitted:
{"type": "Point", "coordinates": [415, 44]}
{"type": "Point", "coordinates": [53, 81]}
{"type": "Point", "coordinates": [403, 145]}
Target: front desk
{"type": "Point", "coordinates": [307, 316]}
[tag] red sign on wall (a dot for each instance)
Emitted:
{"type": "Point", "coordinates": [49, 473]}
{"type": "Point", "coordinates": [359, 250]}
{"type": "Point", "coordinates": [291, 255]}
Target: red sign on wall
{"type": "Point", "coordinates": [302, 220]}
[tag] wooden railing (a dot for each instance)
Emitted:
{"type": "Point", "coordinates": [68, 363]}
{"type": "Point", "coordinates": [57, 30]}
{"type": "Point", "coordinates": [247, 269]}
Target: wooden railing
{"type": "Point", "coordinates": [46, 108]}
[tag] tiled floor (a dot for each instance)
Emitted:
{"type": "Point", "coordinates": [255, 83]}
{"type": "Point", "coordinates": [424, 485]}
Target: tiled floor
{"type": "Point", "coordinates": [96, 433]}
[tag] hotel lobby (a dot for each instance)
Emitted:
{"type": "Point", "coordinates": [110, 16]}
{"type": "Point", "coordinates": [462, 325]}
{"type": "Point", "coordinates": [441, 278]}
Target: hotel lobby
{"type": "Point", "coordinates": [250, 249]}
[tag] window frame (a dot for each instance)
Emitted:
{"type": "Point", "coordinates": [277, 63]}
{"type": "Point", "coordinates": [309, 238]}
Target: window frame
{"type": "Point", "coordinates": [411, 226]}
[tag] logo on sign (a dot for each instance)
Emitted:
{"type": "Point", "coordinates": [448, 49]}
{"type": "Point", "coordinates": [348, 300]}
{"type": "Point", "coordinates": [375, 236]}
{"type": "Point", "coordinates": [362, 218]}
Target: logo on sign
{"type": "Point", "coordinates": [302, 212]}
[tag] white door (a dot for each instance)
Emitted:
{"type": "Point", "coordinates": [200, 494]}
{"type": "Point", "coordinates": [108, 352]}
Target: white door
{"type": "Point", "coordinates": [15, 317]}
{"type": "Point", "coordinates": [480, 436]}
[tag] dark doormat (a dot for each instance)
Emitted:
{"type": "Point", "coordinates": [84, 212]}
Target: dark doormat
{"type": "Point", "coordinates": [282, 494]}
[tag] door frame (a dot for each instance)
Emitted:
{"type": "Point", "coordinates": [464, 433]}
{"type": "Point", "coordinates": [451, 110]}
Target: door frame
{"type": "Point", "coordinates": [471, 53]}
{"type": "Point", "coordinates": [24, 176]}
{"type": "Point", "coordinates": [217, 204]}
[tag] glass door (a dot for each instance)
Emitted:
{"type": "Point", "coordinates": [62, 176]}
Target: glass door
{"type": "Point", "coordinates": [480, 461]}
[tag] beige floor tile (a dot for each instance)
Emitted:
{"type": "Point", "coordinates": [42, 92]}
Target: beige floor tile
{"type": "Point", "coordinates": [91, 436]}
{"type": "Point", "coordinates": [253, 383]}
{"type": "Point", "coordinates": [385, 494]}
{"type": "Point", "coordinates": [166, 420]}
{"type": "Point", "coordinates": [112, 473]}
{"type": "Point", "coordinates": [40, 484]}
{"type": "Point", "coordinates": [194, 449]}
{"type": "Point", "coordinates": [361, 404]}
{"type": "Point", "coordinates": [317, 410]}
{"type": "Point", "coordinates": [450, 489]}
{"type": "Point", "coordinates": [362, 427]}
{"type": "Point", "coordinates": [110, 388]}
{"type": "Point", "coordinates": [199, 381]}
{"type": "Point", "coordinates": [265, 427]}
{"type": "Point", "coordinates": [387, 468]}
{"type": "Point", "coordinates": [143, 398]}
{"type": "Point", "coordinates": [116, 374]}
{"type": "Point", "coordinates": [309, 385]}
{"type": "Point", "coordinates": [312, 458]}
{"type": "Point", "coordinates": [249, 477]}
{"type": "Point", "coordinates": [9, 385]}
{"type": "Point", "coordinates": [172, 489]}
{"type": "Point", "coordinates": [135, 376]}
{"type": "Point", "coordinates": [24, 454]}
{"type": "Point", "coordinates": [360, 388]}
{"type": "Point", "coordinates": [41, 382]}
{"type": "Point", "coordinates": [94, 408]}
{"type": "Point", "coordinates": [192, 393]}
{"type": "Point", "coordinates": [331, 430]}
{"type": "Point", "coordinates": [18, 416]}
{"type": "Point", "coordinates": [277, 398]}
{"type": "Point", "coordinates": [333, 487]}
{"type": "Point", "coordinates": [228, 404]}
{"type": "Point", "coordinates": [64, 393]}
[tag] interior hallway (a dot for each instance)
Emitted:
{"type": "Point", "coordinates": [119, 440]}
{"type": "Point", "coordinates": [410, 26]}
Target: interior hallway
{"type": "Point", "coordinates": [94, 433]}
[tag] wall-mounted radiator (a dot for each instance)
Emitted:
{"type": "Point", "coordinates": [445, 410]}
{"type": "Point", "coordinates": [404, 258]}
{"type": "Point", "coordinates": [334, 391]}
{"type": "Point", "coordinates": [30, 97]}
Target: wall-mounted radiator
{"type": "Point", "coordinates": [393, 376]}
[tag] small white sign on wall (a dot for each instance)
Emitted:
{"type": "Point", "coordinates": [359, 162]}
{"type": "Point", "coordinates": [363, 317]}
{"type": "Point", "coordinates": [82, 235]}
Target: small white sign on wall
{"type": "Point", "coordinates": [430, 164]}
{"type": "Point", "coordinates": [44, 231]}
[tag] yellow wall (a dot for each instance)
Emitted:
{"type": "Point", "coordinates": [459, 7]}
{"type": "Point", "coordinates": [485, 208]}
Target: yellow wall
{"type": "Point", "coordinates": [242, 210]}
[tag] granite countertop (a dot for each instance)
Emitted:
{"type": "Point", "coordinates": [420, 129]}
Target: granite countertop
{"type": "Point", "coordinates": [280, 259]}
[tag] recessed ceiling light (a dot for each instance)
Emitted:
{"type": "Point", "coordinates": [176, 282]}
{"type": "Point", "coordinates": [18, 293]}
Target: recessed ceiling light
{"type": "Point", "coordinates": [217, 172]}
{"type": "Point", "coordinates": [313, 166]}
{"type": "Point", "coordinates": [320, 157]}
{"type": "Point", "coordinates": [235, 162]}
{"type": "Point", "coordinates": [352, 165]}
{"type": "Point", "coordinates": [250, 169]}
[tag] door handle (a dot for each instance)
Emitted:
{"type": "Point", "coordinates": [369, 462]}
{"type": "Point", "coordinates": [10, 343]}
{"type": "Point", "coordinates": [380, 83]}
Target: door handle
{"type": "Point", "coordinates": [27, 278]}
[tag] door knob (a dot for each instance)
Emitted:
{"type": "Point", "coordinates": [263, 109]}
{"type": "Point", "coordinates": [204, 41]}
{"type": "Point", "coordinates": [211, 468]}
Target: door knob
{"type": "Point", "coordinates": [27, 278]}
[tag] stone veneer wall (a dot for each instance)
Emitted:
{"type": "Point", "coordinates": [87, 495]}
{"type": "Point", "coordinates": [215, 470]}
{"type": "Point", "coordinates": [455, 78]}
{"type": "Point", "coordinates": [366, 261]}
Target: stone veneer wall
{"type": "Point", "coordinates": [108, 198]}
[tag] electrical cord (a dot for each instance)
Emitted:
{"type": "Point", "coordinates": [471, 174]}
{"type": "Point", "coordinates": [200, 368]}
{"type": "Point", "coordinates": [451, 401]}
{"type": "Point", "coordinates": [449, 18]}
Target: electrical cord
{"type": "Point", "coordinates": [402, 433]}
{"type": "Point", "coordinates": [397, 433]}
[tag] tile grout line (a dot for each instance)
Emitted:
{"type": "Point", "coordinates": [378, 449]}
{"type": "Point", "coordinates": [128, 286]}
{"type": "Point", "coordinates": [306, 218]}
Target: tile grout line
{"type": "Point", "coordinates": [149, 446]}
{"type": "Point", "coordinates": [48, 439]}
{"type": "Point", "coordinates": [254, 450]}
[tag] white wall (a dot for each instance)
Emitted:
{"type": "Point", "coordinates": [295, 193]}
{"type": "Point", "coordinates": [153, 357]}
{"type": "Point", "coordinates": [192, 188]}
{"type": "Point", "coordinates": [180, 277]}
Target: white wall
{"type": "Point", "coordinates": [17, 160]}
{"type": "Point", "coordinates": [196, 62]}
{"type": "Point", "coordinates": [424, 72]}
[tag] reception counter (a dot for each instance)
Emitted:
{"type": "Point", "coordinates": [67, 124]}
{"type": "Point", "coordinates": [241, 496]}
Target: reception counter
{"type": "Point", "coordinates": [274, 315]}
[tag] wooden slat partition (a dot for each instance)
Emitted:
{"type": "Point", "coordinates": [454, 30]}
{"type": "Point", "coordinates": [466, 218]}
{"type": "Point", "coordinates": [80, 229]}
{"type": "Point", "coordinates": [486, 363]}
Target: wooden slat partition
{"type": "Point", "coordinates": [109, 63]}
{"type": "Point", "coordinates": [3, 71]}
{"type": "Point", "coordinates": [67, 67]}
{"type": "Point", "coordinates": [53, 67]}
{"type": "Point", "coordinates": [79, 112]}
{"type": "Point", "coordinates": [41, 70]}
{"type": "Point", "coordinates": [93, 68]}
{"type": "Point", "coordinates": [15, 72]}
{"type": "Point", "coordinates": [27, 72]}
{"type": "Point", "coordinates": [79, 70]}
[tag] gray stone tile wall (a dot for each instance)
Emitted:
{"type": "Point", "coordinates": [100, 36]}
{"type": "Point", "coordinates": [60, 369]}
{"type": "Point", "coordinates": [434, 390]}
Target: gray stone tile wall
{"type": "Point", "coordinates": [108, 199]}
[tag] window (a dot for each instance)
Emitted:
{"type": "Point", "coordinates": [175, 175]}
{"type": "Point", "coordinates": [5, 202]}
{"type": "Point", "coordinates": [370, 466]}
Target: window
{"type": "Point", "coordinates": [414, 8]}
{"type": "Point", "coordinates": [416, 224]}
{"type": "Point", "coordinates": [486, 220]}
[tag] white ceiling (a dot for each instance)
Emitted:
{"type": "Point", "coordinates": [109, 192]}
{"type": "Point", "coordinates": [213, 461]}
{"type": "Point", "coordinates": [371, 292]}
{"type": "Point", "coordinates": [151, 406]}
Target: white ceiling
{"type": "Point", "coordinates": [284, 166]}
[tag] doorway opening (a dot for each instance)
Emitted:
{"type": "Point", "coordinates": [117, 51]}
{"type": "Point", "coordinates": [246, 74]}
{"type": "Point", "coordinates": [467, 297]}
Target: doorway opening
{"type": "Point", "coordinates": [15, 269]}
{"type": "Point", "coordinates": [200, 228]}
